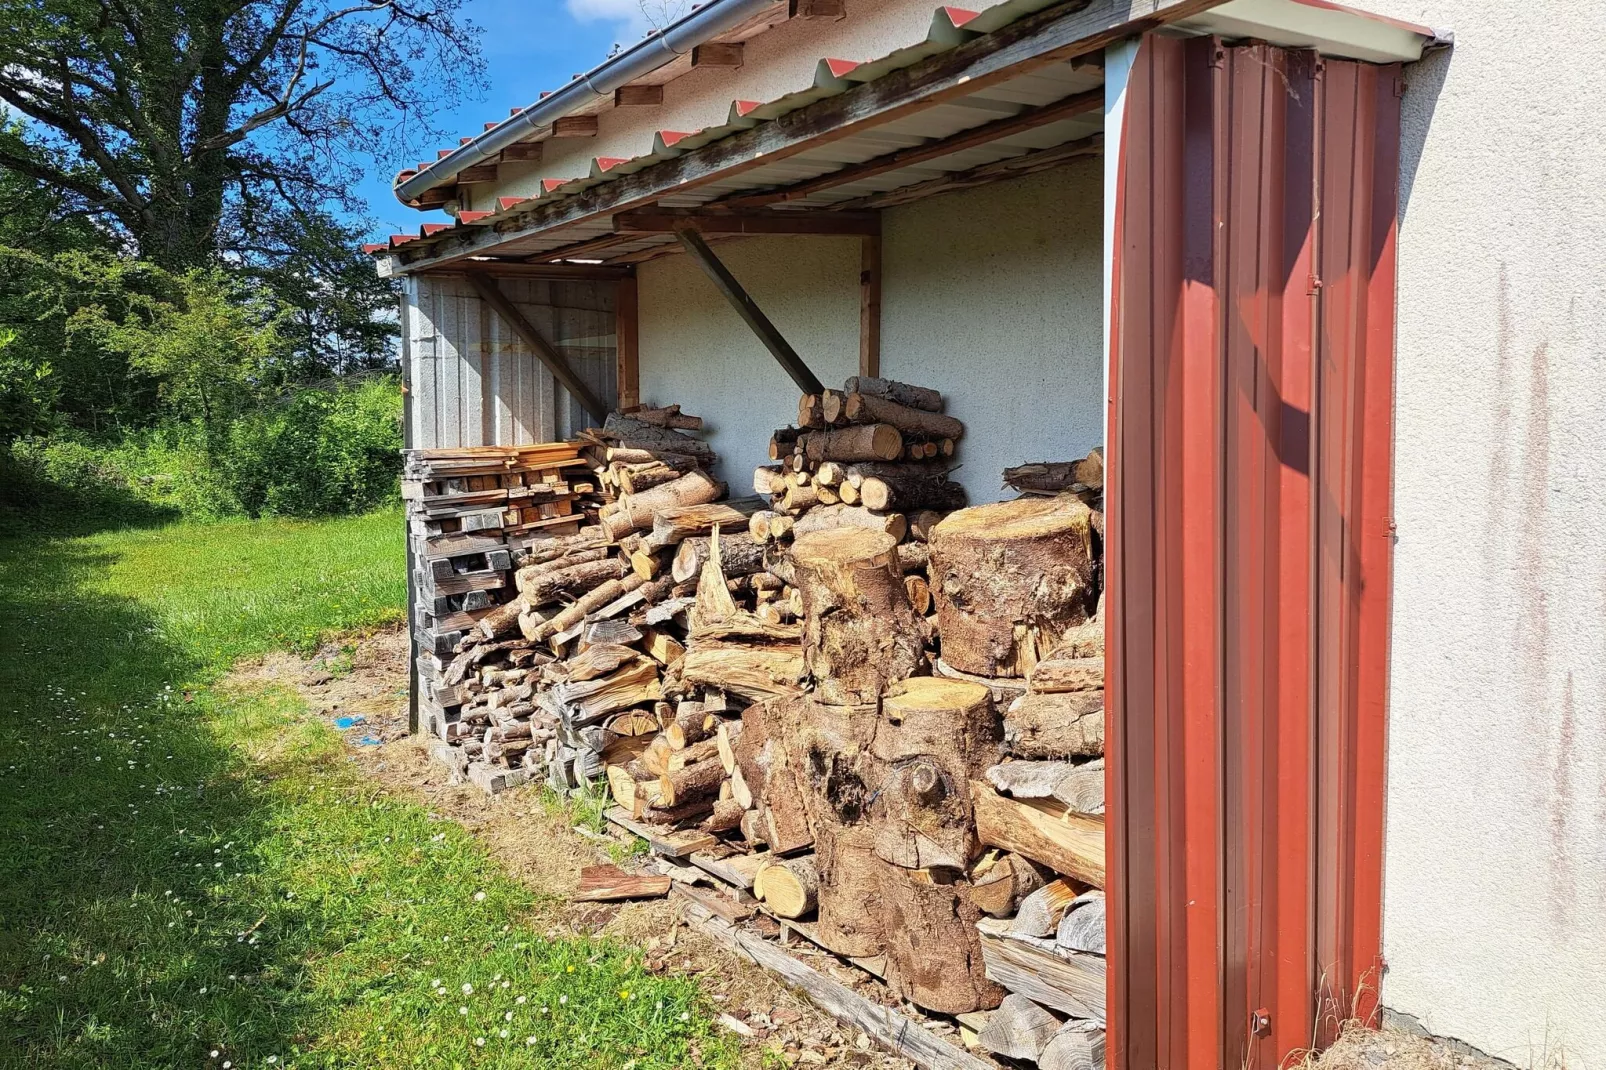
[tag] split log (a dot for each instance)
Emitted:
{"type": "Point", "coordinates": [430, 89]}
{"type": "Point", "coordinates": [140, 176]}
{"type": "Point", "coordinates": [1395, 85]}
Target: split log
{"type": "Point", "coordinates": [869, 409]}
{"type": "Point", "coordinates": [754, 670]}
{"type": "Point", "coordinates": [1018, 1029]}
{"type": "Point", "coordinates": [644, 478]}
{"type": "Point", "coordinates": [599, 884]}
{"type": "Point", "coordinates": [589, 700]}
{"type": "Point", "coordinates": [934, 736]}
{"type": "Point", "coordinates": [833, 517]}
{"type": "Point", "coordinates": [636, 512]}
{"type": "Point", "coordinates": [739, 555]}
{"type": "Point", "coordinates": [1060, 725]}
{"type": "Point", "coordinates": [768, 778]}
{"type": "Point", "coordinates": [1072, 984]}
{"type": "Point", "coordinates": [1044, 831]}
{"type": "Point", "coordinates": [1067, 674]}
{"type": "Point", "coordinates": [917, 397]}
{"type": "Point", "coordinates": [725, 737]}
{"type": "Point", "coordinates": [661, 646]}
{"type": "Point", "coordinates": [1041, 912]}
{"type": "Point", "coordinates": [670, 526]}
{"type": "Point", "coordinates": [865, 442]}
{"type": "Point", "coordinates": [1079, 787]}
{"type": "Point", "coordinates": [789, 888]}
{"type": "Point", "coordinates": [1078, 1045]}
{"type": "Point", "coordinates": [859, 632]}
{"type": "Point", "coordinates": [1009, 579]}
{"type": "Point", "coordinates": [999, 887]}
{"type": "Point", "coordinates": [933, 947]}
{"type": "Point", "coordinates": [590, 603]}
{"type": "Point", "coordinates": [1083, 926]}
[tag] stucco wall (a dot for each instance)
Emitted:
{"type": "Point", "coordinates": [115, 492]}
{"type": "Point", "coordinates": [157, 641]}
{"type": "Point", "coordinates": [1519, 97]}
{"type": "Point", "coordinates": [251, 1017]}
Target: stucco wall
{"type": "Point", "coordinates": [1495, 893]}
{"type": "Point", "coordinates": [695, 351]}
{"type": "Point", "coordinates": [990, 296]}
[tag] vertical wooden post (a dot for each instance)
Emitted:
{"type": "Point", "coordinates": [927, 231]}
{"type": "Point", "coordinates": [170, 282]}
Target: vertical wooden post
{"type": "Point", "coordinates": [627, 343]}
{"type": "Point", "coordinates": [409, 559]}
{"type": "Point", "coordinates": [870, 306]}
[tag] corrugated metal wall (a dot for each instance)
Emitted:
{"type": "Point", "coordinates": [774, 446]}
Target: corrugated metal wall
{"type": "Point", "coordinates": [474, 383]}
{"type": "Point", "coordinates": [1249, 554]}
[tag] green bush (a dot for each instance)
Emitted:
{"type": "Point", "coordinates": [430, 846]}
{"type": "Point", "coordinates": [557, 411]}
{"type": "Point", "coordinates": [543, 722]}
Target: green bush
{"type": "Point", "coordinates": [320, 452]}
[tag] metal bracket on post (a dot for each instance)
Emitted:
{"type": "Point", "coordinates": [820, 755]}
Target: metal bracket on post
{"type": "Point", "coordinates": [492, 295]}
{"type": "Point", "coordinates": [745, 307]}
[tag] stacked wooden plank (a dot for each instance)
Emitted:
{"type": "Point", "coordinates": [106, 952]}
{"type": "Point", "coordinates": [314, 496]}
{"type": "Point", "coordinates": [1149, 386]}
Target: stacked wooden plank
{"type": "Point", "coordinates": [469, 510]}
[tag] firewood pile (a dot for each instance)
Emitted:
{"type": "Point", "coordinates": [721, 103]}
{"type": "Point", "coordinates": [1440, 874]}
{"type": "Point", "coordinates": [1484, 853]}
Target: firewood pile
{"type": "Point", "coordinates": [868, 711]}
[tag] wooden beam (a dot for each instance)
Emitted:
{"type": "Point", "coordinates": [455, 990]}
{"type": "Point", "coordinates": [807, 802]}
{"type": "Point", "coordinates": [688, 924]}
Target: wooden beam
{"type": "Point", "coordinates": [485, 172]}
{"type": "Point", "coordinates": [726, 54]}
{"type": "Point", "coordinates": [1056, 34]}
{"type": "Point", "coordinates": [512, 269]}
{"type": "Point", "coordinates": [627, 350]}
{"type": "Point", "coordinates": [1031, 118]}
{"type": "Point", "coordinates": [522, 152]}
{"type": "Point", "coordinates": [492, 294]}
{"type": "Point", "coordinates": [745, 307]}
{"type": "Point", "coordinates": [637, 96]}
{"type": "Point", "coordinates": [672, 221]}
{"type": "Point", "coordinates": [575, 126]}
{"type": "Point", "coordinates": [870, 306]}
{"type": "Point", "coordinates": [1014, 167]}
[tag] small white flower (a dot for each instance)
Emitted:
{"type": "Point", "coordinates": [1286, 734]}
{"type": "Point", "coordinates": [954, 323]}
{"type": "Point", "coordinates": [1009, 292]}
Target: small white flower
{"type": "Point", "coordinates": [462, 1010]}
{"type": "Point", "coordinates": [435, 983]}
{"type": "Point", "coordinates": [508, 1017]}
{"type": "Point", "coordinates": [522, 1000]}
{"type": "Point", "coordinates": [529, 1041]}
{"type": "Point", "coordinates": [213, 1054]}
{"type": "Point", "coordinates": [479, 897]}
{"type": "Point", "coordinates": [479, 1042]}
{"type": "Point", "coordinates": [272, 1059]}
{"type": "Point", "coordinates": [563, 999]}
{"type": "Point", "coordinates": [502, 1033]}
{"type": "Point", "coordinates": [468, 989]}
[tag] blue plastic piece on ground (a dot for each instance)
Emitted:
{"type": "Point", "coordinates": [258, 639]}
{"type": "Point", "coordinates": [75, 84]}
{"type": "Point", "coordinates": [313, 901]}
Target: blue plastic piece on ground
{"type": "Point", "coordinates": [344, 723]}
{"type": "Point", "coordinates": [370, 741]}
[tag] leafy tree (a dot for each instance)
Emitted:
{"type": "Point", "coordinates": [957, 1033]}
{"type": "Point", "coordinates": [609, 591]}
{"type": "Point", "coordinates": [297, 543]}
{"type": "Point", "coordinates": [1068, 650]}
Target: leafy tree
{"type": "Point", "coordinates": [192, 126]}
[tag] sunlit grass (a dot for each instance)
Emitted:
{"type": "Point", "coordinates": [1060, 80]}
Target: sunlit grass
{"type": "Point", "coordinates": [190, 869]}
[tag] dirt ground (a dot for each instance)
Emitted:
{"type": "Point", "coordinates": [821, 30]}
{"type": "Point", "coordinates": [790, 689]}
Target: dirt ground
{"type": "Point", "coordinates": [366, 676]}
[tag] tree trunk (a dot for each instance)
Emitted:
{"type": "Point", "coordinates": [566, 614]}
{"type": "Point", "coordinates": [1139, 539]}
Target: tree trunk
{"type": "Point", "coordinates": [859, 632]}
{"type": "Point", "coordinates": [851, 911]}
{"type": "Point", "coordinates": [918, 397]}
{"type": "Point", "coordinates": [693, 488]}
{"type": "Point", "coordinates": [670, 526]}
{"type": "Point", "coordinates": [537, 589]}
{"type": "Point", "coordinates": [933, 949]}
{"type": "Point", "coordinates": [909, 492]}
{"type": "Point", "coordinates": [869, 409]}
{"type": "Point", "coordinates": [739, 555]}
{"type": "Point", "coordinates": [934, 736]}
{"type": "Point", "coordinates": [832, 517]}
{"type": "Point", "coordinates": [1009, 579]}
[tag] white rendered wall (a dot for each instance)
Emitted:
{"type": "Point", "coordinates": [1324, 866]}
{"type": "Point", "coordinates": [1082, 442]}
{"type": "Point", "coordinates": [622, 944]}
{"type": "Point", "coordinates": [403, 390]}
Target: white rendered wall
{"type": "Point", "coordinates": [696, 352]}
{"type": "Point", "coordinates": [1495, 888]}
{"type": "Point", "coordinates": [992, 296]}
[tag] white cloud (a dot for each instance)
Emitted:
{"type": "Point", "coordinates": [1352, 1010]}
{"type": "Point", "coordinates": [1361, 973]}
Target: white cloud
{"type": "Point", "coordinates": [635, 17]}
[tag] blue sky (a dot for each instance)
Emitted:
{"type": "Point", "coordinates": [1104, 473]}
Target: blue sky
{"type": "Point", "coordinates": [529, 46]}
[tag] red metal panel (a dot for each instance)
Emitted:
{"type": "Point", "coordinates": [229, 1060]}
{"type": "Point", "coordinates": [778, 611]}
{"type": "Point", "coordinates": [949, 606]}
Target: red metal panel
{"type": "Point", "coordinates": [1251, 371]}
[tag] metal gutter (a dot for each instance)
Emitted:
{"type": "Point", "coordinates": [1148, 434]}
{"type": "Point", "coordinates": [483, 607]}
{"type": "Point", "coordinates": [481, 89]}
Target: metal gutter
{"type": "Point", "coordinates": [711, 19]}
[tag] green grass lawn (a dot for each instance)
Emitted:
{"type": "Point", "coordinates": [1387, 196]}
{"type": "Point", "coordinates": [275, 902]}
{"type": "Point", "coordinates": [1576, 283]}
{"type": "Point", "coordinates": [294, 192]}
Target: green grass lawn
{"type": "Point", "coordinates": [193, 876]}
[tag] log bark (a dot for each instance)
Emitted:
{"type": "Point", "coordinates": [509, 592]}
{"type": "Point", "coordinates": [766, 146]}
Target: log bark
{"type": "Point", "coordinates": [754, 670]}
{"type": "Point", "coordinates": [918, 397]}
{"type": "Point", "coordinates": [1052, 477]}
{"type": "Point", "coordinates": [601, 884]}
{"type": "Point", "coordinates": [1054, 726]}
{"type": "Point", "coordinates": [727, 816]}
{"type": "Point", "coordinates": [636, 513]}
{"type": "Point", "coordinates": [691, 783]}
{"type": "Point", "coordinates": [1067, 674]}
{"type": "Point", "coordinates": [850, 920]}
{"type": "Point", "coordinates": [830, 518]}
{"type": "Point", "coordinates": [689, 726]}
{"type": "Point", "coordinates": [869, 409]}
{"type": "Point", "coordinates": [501, 621]}
{"type": "Point", "coordinates": [934, 736]}
{"type": "Point", "coordinates": [670, 526]}
{"type": "Point", "coordinates": [1044, 831]}
{"type": "Point", "coordinates": [739, 555]}
{"type": "Point", "coordinates": [544, 587]}
{"type": "Point", "coordinates": [859, 631]}
{"type": "Point", "coordinates": [999, 888]}
{"type": "Point", "coordinates": [1009, 579]}
{"type": "Point", "coordinates": [933, 948]}
{"type": "Point", "coordinates": [866, 442]}
{"type": "Point", "coordinates": [637, 434]}
{"type": "Point", "coordinates": [783, 443]}
{"type": "Point", "coordinates": [911, 492]}
{"type": "Point", "coordinates": [810, 411]}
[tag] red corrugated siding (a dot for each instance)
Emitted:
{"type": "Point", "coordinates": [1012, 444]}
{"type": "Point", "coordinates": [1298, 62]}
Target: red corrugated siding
{"type": "Point", "coordinates": [1249, 555]}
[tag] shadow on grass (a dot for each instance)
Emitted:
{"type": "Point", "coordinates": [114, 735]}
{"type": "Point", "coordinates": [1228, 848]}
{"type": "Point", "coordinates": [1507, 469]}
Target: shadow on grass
{"type": "Point", "coordinates": [122, 821]}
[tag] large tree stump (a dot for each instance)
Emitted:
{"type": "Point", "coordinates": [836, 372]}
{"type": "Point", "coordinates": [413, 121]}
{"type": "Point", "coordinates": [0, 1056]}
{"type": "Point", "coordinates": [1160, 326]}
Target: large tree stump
{"type": "Point", "coordinates": [1009, 579]}
{"type": "Point", "coordinates": [859, 631]}
{"type": "Point", "coordinates": [935, 736]}
{"type": "Point", "coordinates": [769, 773]}
{"type": "Point", "coordinates": [933, 949]}
{"type": "Point", "coordinates": [851, 914]}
